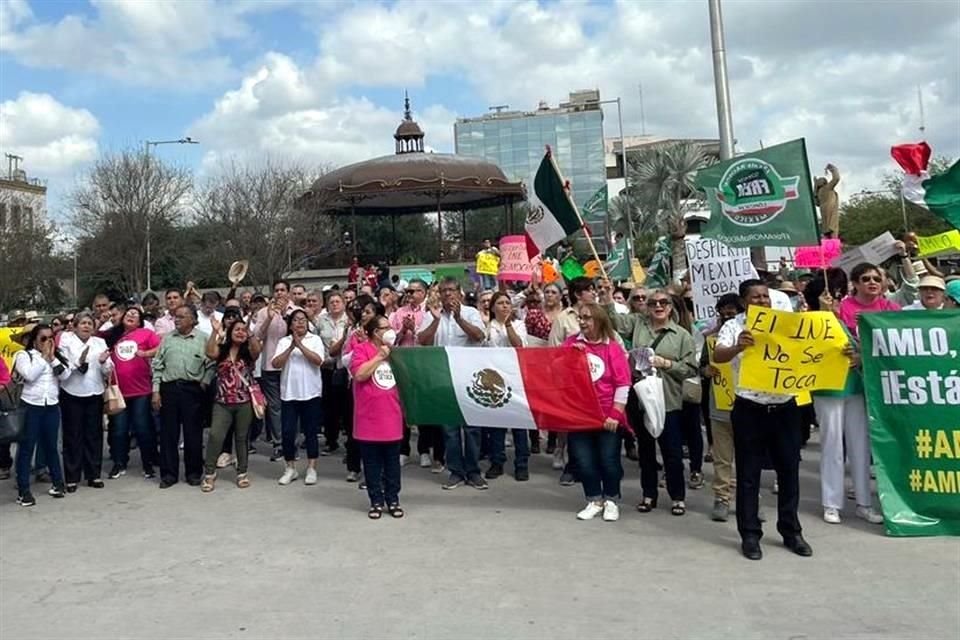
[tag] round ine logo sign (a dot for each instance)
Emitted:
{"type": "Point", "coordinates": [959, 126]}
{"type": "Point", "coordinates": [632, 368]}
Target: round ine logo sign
{"type": "Point", "coordinates": [126, 350]}
{"type": "Point", "coordinates": [383, 377]}
{"type": "Point", "coordinates": [597, 366]}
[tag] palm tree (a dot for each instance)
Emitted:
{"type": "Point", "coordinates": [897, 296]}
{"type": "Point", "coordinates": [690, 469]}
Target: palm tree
{"type": "Point", "coordinates": [662, 183]}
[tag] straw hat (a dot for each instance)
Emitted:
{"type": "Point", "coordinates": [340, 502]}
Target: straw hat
{"type": "Point", "coordinates": [238, 271]}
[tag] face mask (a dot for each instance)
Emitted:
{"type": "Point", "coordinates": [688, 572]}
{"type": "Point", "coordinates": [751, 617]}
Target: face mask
{"type": "Point", "coordinates": [389, 337]}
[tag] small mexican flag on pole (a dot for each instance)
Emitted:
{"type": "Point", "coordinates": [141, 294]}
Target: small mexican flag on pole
{"type": "Point", "coordinates": [940, 194]}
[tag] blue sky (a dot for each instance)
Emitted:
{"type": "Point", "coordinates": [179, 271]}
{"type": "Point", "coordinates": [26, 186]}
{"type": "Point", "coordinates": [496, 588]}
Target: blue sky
{"type": "Point", "coordinates": [322, 83]}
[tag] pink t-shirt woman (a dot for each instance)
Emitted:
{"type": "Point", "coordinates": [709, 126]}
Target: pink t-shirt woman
{"type": "Point", "coordinates": [609, 369]}
{"type": "Point", "coordinates": [850, 308]}
{"type": "Point", "coordinates": [133, 371]}
{"type": "Point", "coordinates": [377, 416]}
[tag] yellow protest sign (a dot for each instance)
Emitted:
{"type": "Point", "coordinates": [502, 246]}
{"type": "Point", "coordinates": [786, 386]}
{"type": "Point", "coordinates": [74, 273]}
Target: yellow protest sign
{"type": "Point", "coordinates": [794, 352]}
{"type": "Point", "coordinates": [722, 387]}
{"type": "Point", "coordinates": [940, 243]}
{"type": "Point", "coordinates": [8, 346]}
{"type": "Point", "coordinates": [488, 264]}
{"type": "Point", "coordinates": [636, 270]}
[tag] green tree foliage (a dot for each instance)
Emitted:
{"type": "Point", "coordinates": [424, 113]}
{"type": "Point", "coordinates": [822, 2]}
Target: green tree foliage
{"type": "Point", "coordinates": [29, 269]}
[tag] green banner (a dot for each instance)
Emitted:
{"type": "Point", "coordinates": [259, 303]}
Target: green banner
{"type": "Point", "coordinates": [458, 273]}
{"type": "Point", "coordinates": [595, 209]}
{"type": "Point", "coordinates": [617, 264]}
{"type": "Point", "coordinates": [658, 273]}
{"type": "Point", "coordinates": [761, 198]}
{"type": "Point", "coordinates": [571, 268]}
{"type": "Point", "coordinates": [911, 371]}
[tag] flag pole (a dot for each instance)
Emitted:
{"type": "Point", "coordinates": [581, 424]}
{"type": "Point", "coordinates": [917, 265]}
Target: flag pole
{"type": "Point", "coordinates": [576, 209]}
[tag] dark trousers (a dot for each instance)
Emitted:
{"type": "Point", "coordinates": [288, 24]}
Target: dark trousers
{"type": "Point", "coordinates": [307, 414]}
{"type": "Point", "coordinates": [381, 468]}
{"type": "Point", "coordinates": [337, 406]}
{"type": "Point", "coordinates": [521, 447]}
{"type": "Point", "coordinates": [353, 447]}
{"type": "Point", "coordinates": [671, 448]}
{"type": "Point", "coordinates": [6, 460]}
{"type": "Point", "coordinates": [706, 385]}
{"type": "Point", "coordinates": [137, 419]}
{"type": "Point", "coordinates": [598, 462]}
{"type": "Point", "coordinates": [180, 411]}
{"type": "Point", "coordinates": [692, 435]}
{"type": "Point", "coordinates": [758, 430]}
{"type": "Point", "coordinates": [82, 436]}
{"type": "Point", "coordinates": [430, 437]}
{"type": "Point", "coordinates": [270, 385]}
{"type": "Point", "coordinates": [40, 428]}
{"type": "Point", "coordinates": [463, 450]}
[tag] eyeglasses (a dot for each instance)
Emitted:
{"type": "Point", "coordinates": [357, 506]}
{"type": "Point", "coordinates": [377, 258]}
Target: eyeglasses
{"type": "Point", "coordinates": [43, 339]}
{"type": "Point", "coordinates": [585, 318]}
{"type": "Point", "coordinates": [866, 279]}
{"type": "Point", "coordinates": [638, 298]}
{"type": "Point", "coordinates": [661, 302]}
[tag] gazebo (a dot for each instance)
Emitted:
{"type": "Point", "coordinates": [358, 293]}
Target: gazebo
{"type": "Point", "coordinates": [412, 181]}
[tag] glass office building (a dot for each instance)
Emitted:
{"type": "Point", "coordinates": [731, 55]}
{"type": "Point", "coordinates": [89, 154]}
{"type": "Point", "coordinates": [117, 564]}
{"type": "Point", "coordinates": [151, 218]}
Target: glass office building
{"type": "Point", "coordinates": [515, 141]}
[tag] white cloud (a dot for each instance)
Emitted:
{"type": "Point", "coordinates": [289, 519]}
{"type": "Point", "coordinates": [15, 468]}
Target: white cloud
{"type": "Point", "coordinates": [54, 139]}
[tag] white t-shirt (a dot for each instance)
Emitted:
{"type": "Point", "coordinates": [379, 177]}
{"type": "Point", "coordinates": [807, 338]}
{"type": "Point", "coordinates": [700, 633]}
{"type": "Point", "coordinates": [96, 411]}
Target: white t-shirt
{"type": "Point", "coordinates": [203, 322]}
{"type": "Point", "coordinates": [727, 337]}
{"type": "Point", "coordinates": [497, 334]}
{"type": "Point", "coordinates": [449, 333]}
{"type": "Point", "coordinates": [300, 378]}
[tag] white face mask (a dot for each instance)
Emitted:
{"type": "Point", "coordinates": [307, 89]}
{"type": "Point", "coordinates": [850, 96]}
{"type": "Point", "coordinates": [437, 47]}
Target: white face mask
{"type": "Point", "coordinates": [389, 337]}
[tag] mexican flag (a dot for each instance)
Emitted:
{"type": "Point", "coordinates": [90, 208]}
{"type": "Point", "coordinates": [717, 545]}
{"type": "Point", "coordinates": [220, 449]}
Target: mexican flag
{"type": "Point", "coordinates": [529, 388]}
{"type": "Point", "coordinates": [552, 216]}
{"type": "Point", "coordinates": [940, 193]}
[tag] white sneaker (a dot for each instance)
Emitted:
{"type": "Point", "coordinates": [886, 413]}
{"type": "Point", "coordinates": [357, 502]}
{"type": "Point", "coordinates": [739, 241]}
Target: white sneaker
{"type": "Point", "coordinates": [311, 476]}
{"type": "Point", "coordinates": [591, 511]}
{"type": "Point", "coordinates": [611, 512]}
{"type": "Point", "coordinates": [557, 460]}
{"type": "Point", "coordinates": [870, 515]}
{"type": "Point", "coordinates": [224, 460]}
{"type": "Point", "coordinates": [404, 460]}
{"type": "Point", "coordinates": [831, 515]}
{"type": "Point", "coordinates": [289, 475]}
{"type": "Point", "coordinates": [425, 460]}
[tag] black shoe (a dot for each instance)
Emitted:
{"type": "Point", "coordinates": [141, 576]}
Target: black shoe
{"type": "Point", "coordinates": [329, 451]}
{"type": "Point", "coordinates": [535, 446]}
{"type": "Point", "coordinates": [4, 473]}
{"type": "Point", "coordinates": [116, 471]}
{"type": "Point", "coordinates": [149, 473]}
{"type": "Point", "coordinates": [166, 483]}
{"type": "Point", "coordinates": [26, 499]}
{"type": "Point", "coordinates": [193, 482]}
{"type": "Point", "coordinates": [43, 476]}
{"type": "Point", "coordinates": [799, 546]}
{"type": "Point", "coordinates": [56, 492]}
{"type": "Point", "coordinates": [521, 475]}
{"type": "Point", "coordinates": [495, 471]}
{"type": "Point", "coordinates": [453, 482]}
{"type": "Point", "coordinates": [251, 450]}
{"type": "Point", "coordinates": [751, 549]}
{"type": "Point", "coordinates": [96, 483]}
{"type": "Point", "coordinates": [550, 449]}
{"type": "Point", "coordinates": [276, 455]}
{"type": "Point", "coordinates": [477, 482]}
{"type": "Point", "coordinates": [567, 479]}
{"type": "Point", "coordinates": [71, 487]}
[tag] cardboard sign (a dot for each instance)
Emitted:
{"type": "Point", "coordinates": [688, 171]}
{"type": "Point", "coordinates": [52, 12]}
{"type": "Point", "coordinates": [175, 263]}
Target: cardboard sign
{"type": "Point", "coordinates": [794, 352]}
{"type": "Point", "coordinates": [515, 264]}
{"type": "Point", "coordinates": [817, 257]}
{"type": "Point", "coordinates": [715, 269]}
{"type": "Point", "coordinates": [946, 242]}
{"type": "Point", "coordinates": [636, 270]}
{"type": "Point", "coordinates": [487, 263]}
{"type": "Point", "coordinates": [8, 347]}
{"type": "Point", "coordinates": [457, 273]}
{"type": "Point", "coordinates": [878, 250]}
{"type": "Point", "coordinates": [722, 387]}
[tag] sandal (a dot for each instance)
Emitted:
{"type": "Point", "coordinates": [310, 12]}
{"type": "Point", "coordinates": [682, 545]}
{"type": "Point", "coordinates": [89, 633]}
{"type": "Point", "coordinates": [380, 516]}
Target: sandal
{"type": "Point", "coordinates": [395, 511]}
{"type": "Point", "coordinates": [375, 512]}
{"type": "Point", "coordinates": [207, 485]}
{"type": "Point", "coordinates": [678, 508]}
{"type": "Point", "coordinates": [243, 481]}
{"type": "Point", "coordinates": [647, 505]}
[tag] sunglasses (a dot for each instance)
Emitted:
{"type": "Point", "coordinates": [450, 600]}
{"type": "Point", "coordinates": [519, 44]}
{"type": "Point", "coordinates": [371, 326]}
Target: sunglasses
{"type": "Point", "coordinates": [659, 303]}
{"type": "Point", "coordinates": [637, 298]}
{"type": "Point", "coordinates": [866, 279]}
{"type": "Point", "coordinates": [43, 339]}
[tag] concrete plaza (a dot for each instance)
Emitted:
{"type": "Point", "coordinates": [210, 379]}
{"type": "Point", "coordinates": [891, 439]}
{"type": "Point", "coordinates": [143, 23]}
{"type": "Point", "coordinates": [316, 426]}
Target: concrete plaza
{"type": "Point", "coordinates": [131, 561]}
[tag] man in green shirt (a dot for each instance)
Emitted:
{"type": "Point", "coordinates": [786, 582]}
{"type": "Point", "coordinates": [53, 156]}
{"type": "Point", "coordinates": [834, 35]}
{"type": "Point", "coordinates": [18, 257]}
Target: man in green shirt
{"type": "Point", "coordinates": [181, 374]}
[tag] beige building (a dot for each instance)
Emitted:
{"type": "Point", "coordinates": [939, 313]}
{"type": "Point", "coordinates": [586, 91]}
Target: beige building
{"type": "Point", "coordinates": [23, 200]}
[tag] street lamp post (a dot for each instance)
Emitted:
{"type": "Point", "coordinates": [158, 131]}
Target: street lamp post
{"type": "Point", "coordinates": [288, 231]}
{"type": "Point", "coordinates": [146, 152]}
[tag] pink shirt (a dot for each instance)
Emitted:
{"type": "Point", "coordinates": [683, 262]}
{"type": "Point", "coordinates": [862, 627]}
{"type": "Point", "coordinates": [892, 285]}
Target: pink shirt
{"type": "Point", "coordinates": [276, 330]}
{"type": "Point", "coordinates": [377, 416]}
{"type": "Point", "coordinates": [164, 324]}
{"type": "Point", "coordinates": [609, 369]}
{"type": "Point", "coordinates": [850, 308]}
{"type": "Point", "coordinates": [408, 339]}
{"type": "Point", "coordinates": [133, 372]}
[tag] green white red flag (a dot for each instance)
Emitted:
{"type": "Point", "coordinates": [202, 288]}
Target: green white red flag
{"type": "Point", "coordinates": [940, 194]}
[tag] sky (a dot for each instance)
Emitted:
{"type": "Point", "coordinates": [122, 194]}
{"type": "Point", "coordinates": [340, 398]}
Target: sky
{"type": "Point", "coordinates": [323, 82]}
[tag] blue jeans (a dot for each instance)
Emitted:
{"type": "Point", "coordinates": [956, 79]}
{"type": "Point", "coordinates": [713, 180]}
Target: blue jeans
{"type": "Point", "coordinates": [309, 415]}
{"type": "Point", "coordinates": [136, 418]}
{"type": "Point", "coordinates": [381, 468]}
{"type": "Point", "coordinates": [41, 427]}
{"type": "Point", "coordinates": [498, 447]}
{"type": "Point", "coordinates": [598, 462]}
{"type": "Point", "coordinates": [488, 282]}
{"type": "Point", "coordinates": [463, 451]}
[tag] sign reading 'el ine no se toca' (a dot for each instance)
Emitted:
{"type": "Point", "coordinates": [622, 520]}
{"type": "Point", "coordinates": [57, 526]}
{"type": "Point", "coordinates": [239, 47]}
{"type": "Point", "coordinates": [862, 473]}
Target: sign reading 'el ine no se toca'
{"type": "Point", "coordinates": [794, 352]}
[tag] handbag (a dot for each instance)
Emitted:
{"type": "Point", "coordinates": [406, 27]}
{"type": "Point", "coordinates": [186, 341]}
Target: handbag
{"type": "Point", "coordinates": [113, 402]}
{"type": "Point", "coordinates": [12, 416]}
{"type": "Point", "coordinates": [257, 400]}
{"type": "Point", "coordinates": [649, 392]}
{"type": "Point", "coordinates": [692, 391]}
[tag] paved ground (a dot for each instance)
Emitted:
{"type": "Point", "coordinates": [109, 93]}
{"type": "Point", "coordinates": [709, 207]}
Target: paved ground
{"type": "Point", "coordinates": [131, 561]}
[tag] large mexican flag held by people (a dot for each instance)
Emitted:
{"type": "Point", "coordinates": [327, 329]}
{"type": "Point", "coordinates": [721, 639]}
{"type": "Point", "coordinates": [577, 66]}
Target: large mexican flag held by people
{"type": "Point", "coordinates": [761, 198]}
{"type": "Point", "coordinates": [545, 388]}
{"type": "Point", "coordinates": [911, 371]}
